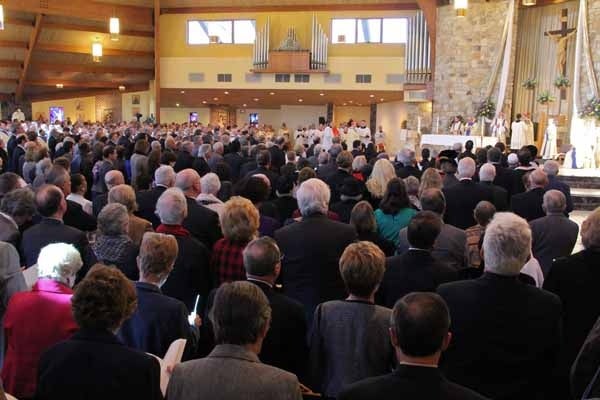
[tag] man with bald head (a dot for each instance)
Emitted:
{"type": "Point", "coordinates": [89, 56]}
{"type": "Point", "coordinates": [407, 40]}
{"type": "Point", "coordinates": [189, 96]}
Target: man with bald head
{"type": "Point", "coordinates": [111, 179]}
{"type": "Point", "coordinates": [202, 222]}
{"type": "Point", "coordinates": [487, 175]}
{"type": "Point", "coordinates": [51, 205]}
{"type": "Point", "coordinates": [462, 198]}
{"type": "Point", "coordinates": [164, 178]}
{"type": "Point", "coordinates": [551, 169]}
{"type": "Point", "coordinates": [554, 235]}
{"type": "Point", "coordinates": [529, 204]}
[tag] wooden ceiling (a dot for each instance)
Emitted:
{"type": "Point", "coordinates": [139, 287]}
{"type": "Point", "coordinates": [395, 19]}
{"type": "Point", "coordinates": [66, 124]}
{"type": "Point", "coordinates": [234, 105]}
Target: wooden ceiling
{"type": "Point", "coordinates": [273, 99]}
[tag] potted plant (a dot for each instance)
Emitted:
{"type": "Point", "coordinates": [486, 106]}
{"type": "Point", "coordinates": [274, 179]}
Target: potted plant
{"type": "Point", "coordinates": [562, 82]}
{"type": "Point", "coordinates": [529, 83]}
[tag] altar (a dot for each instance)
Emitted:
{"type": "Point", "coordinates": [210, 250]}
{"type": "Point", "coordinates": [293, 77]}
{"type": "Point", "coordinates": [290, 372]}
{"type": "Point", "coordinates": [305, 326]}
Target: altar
{"type": "Point", "coordinates": [449, 140]}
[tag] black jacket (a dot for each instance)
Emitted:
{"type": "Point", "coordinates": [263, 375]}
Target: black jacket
{"type": "Point", "coordinates": [98, 203]}
{"type": "Point", "coordinates": [77, 218]}
{"type": "Point", "coordinates": [505, 336]}
{"type": "Point", "coordinates": [499, 195]}
{"type": "Point", "coordinates": [277, 157]}
{"type": "Point", "coordinates": [203, 223]}
{"type": "Point", "coordinates": [235, 162]}
{"type": "Point", "coordinates": [461, 200]}
{"type": "Point", "coordinates": [146, 200]}
{"type": "Point", "coordinates": [96, 365]}
{"type": "Point", "coordinates": [505, 178]}
{"type": "Point", "coordinates": [413, 271]}
{"type": "Point", "coordinates": [157, 321]}
{"type": "Point", "coordinates": [408, 382]}
{"type": "Point", "coordinates": [343, 209]}
{"type": "Point", "coordinates": [310, 270]}
{"type": "Point", "coordinates": [529, 204]}
{"type": "Point", "coordinates": [183, 161]}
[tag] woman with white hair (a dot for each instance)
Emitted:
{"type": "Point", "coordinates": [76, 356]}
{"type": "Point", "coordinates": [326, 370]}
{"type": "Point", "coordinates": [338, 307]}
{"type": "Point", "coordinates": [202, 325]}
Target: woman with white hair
{"type": "Point", "coordinates": [113, 246]}
{"type": "Point", "coordinates": [210, 184]}
{"type": "Point", "coordinates": [383, 172]}
{"type": "Point", "coordinates": [36, 320]}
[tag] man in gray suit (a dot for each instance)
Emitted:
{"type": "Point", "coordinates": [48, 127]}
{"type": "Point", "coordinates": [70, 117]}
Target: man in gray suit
{"type": "Point", "coordinates": [232, 371]}
{"type": "Point", "coordinates": [554, 235]}
{"type": "Point", "coordinates": [451, 245]}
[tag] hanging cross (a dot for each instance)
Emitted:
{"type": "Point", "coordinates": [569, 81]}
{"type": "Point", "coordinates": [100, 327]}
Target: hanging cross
{"type": "Point", "coordinates": [561, 36]}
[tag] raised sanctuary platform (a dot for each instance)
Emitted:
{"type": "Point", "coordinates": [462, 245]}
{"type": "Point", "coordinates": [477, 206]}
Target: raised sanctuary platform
{"type": "Point", "coordinates": [585, 187]}
{"type": "Point", "coordinates": [449, 140]}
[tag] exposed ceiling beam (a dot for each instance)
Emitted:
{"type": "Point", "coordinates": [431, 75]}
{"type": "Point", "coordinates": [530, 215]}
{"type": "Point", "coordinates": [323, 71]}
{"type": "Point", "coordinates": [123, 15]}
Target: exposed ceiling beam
{"type": "Point", "coordinates": [59, 94]}
{"type": "Point", "coordinates": [83, 9]}
{"type": "Point", "coordinates": [10, 64]}
{"type": "Point", "coordinates": [13, 44]}
{"type": "Point", "coordinates": [292, 7]}
{"type": "Point", "coordinates": [18, 21]}
{"type": "Point", "coordinates": [66, 48]}
{"type": "Point", "coordinates": [9, 80]}
{"type": "Point", "coordinates": [92, 69]}
{"type": "Point", "coordinates": [95, 29]}
{"type": "Point", "coordinates": [33, 38]}
{"type": "Point", "coordinates": [75, 84]}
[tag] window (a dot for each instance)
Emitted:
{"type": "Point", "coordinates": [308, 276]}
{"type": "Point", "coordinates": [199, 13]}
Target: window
{"type": "Point", "coordinates": [301, 78]}
{"type": "Point", "coordinates": [218, 32]}
{"type": "Point", "coordinates": [369, 30]}
{"type": "Point", "coordinates": [223, 77]}
{"type": "Point", "coordinates": [363, 78]}
{"type": "Point", "coordinates": [282, 78]}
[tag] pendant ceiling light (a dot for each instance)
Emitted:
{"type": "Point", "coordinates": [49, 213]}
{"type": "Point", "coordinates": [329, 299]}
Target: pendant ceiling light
{"type": "Point", "coordinates": [1, 17]}
{"type": "Point", "coordinates": [461, 7]}
{"type": "Point", "coordinates": [97, 51]}
{"type": "Point", "coordinates": [114, 29]}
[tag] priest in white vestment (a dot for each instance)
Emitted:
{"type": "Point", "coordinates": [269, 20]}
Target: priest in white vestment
{"type": "Point", "coordinates": [499, 127]}
{"type": "Point", "coordinates": [517, 134]}
{"type": "Point", "coordinates": [457, 127]}
{"type": "Point", "coordinates": [18, 115]}
{"type": "Point", "coordinates": [380, 138]}
{"type": "Point", "coordinates": [529, 132]}
{"type": "Point", "coordinates": [327, 138]}
{"type": "Point", "coordinates": [549, 148]}
{"type": "Point", "coordinates": [364, 132]}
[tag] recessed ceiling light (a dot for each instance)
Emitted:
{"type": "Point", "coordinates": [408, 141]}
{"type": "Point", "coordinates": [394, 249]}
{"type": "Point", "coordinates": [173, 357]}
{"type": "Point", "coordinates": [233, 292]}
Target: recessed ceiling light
{"type": "Point", "coordinates": [226, 92]}
{"type": "Point", "coordinates": [183, 92]}
{"type": "Point", "coordinates": [272, 93]}
{"type": "Point", "coordinates": [321, 94]}
{"type": "Point", "coordinates": [176, 104]}
{"type": "Point", "coordinates": [381, 99]}
{"type": "Point", "coordinates": [344, 104]}
{"type": "Point", "coordinates": [60, 86]}
{"type": "Point", "coordinates": [256, 99]}
{"type": "Point", "coordinates": [203, 101]}
{"type": "Point", "coordinates": [215, 98]}
{"type": "Point", "coordinates": [371, 95]}
{"type": "Point", "coordinates": [350, 101]}
{"type": "Point", "coordinates": [244, 105]}
{"type": "Point", "coordinates": [121, 88]}
{"type": "Point", "coordinates": [300, 100]}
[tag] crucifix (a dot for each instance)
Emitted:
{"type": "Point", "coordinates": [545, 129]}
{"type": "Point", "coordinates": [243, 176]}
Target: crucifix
{"type": "Point", "coordinates": [561, 36]}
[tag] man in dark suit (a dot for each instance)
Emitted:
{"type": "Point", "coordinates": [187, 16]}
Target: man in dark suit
{"type": "Point", "coordinates": [487, 174]}
{"type": "Point", "coordinates": [158, 319]}
{"type": "Point", "coordinates": [576, 280]}
{"type": "Point", "coordinates": [529, 204]}
{"type": "Point", "coordinates": [112, 178]}
{"type": "Point", "coordinates": [310, 267]}
{"type": "Point", "coordinates": [235, 159]}
{"type": "Point", "coordinates": [263, 160]}
{"type": "Point", "coordinates": [553, 236]}
{"type": "Point", "coordinates": [506, 334]}
{"type": "Point", "coordinates": [420, 333]}
{"type": "Point", "coordinates": [405, 164]}
{"type": "Point", "coordinates": [185, 159]}
{"type": "Point", "coordinates": [51, 205]}
{"type": "Point", "coordinates": [551, 168]}
{"type": "Point", "coordinates": [164, 178]}
{"type": "Point", "coordinates": [583, 373]}
{"type": "Point", "coordinates": [202, 222]}
{"type": "Point", "coordinates": [324, 171]}
{"type": "Point", "coordinates": [75, 216]}
{"type": "Point", "coordinates": [462, 198]}
{"type": "Point", "coordinates": [416, 270]}
{"type": "Point", "coordinates": [450, 247]}
{"type": "Point", "coordinates": [277, 154]}
{"type": "Point", "coordinates": [504, 176]}
{"type": "Point", "coordinates": [351, 192]}
{"type": "Point", "coordinates": [17, 152]}
{"type": "Point", "coordinates": [344, 168]}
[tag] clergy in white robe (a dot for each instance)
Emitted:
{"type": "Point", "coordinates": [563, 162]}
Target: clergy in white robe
{"type": "Point", "coordinates": [18, 115]}
{"type": "Point", "coordinates": [549, 147]}
{"type": "Point", "coordinates": [364, 133]}
{"type": "Point", "coordinates": [499, 127]}
{"type": "Point", "coordinates": [517, 134]}
{"type": "Point", "coordinates": [457, 127]}
{"type": "Point", "coordinates": [529, 134]}
{"type": "Point", "coordinates": [327, 138]}
{"type": "Point", "coordinates": [380, 138]}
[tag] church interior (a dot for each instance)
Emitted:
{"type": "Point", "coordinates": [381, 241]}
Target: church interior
{"type": "Point", "coordinates": [417, 74]}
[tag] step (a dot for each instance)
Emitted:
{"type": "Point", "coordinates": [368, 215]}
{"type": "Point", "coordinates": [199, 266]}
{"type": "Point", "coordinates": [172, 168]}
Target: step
{"type": "Point", "coordinates": [580, 178]}
{"type": "Point", "coordinates": [585, 199]}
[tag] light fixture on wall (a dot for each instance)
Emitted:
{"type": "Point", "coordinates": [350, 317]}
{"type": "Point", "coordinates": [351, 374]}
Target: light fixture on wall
{"type": "Point", "coordinates": [1, 17]}
{"type": "Point", "coordinates": [97, 50]}
{"type": "Point", "coordinates": [121, 88]}
{"type": "Point", "coordinates": [529, 2]}
{"type": "Point", "coordinates": [114, 29]}
{"type": "Point", "coordinates": [461, 7]}
{"type": "Point", "coordinates": [60, 86]}
{"type": "Point", "coordinates": [176, 104]}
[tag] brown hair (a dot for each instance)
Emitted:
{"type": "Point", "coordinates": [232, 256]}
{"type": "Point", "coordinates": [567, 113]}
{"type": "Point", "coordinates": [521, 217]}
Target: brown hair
{"type": "Point", "coordinates": [157, 253]}
{"type": "Point", "coordinates": [362, 266]}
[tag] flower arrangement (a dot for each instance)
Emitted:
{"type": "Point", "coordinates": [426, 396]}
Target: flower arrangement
{"type": "Point", "coordinates": [591, 109]}
{"type": "Point", "coordinates": [562, 82]}
{"type": "Point", "coordinates": [545, 97]}
{"type": "Point", "coordinates": [529, 83]}
{"type": "Point", "coordinates": [486, 109]}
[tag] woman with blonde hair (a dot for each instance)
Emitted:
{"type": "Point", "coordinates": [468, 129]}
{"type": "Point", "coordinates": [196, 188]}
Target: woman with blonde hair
{"type": "Point", "coordinates": [383, 172]}
{"type": "Point", "coordinates": [431, 179]}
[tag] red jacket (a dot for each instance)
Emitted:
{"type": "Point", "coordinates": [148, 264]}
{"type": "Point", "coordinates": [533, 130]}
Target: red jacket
{"type": "Point", "coordinates": [34, 321]}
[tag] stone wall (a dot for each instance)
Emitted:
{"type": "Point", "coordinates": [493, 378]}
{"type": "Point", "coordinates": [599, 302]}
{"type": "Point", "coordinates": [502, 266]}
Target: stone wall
{"type": "Point", "coordinates": [466, 50]}
{"type": "Point", "coordinates": [111, 102]}
{"type": "Point", "coordinates": [416, 110]}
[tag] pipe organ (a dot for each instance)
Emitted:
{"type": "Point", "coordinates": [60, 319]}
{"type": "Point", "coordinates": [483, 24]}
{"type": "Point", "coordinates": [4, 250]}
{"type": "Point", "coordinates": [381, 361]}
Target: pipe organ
{"type": "Point", "coordinates": [318, 48]}
{"type": "Point", "coordinates": [418, 50]}
{"type": "Point", "coordinates": [260, 58]}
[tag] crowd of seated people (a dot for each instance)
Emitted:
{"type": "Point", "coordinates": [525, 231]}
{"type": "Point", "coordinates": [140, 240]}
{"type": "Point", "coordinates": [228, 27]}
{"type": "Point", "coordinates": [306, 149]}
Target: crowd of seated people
{"type": "Point", "coordinates": [292, 265]}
